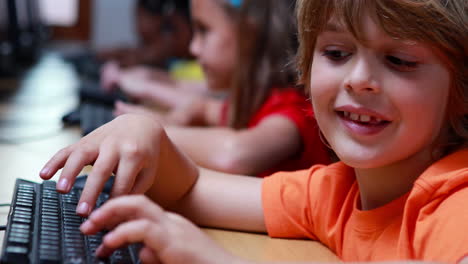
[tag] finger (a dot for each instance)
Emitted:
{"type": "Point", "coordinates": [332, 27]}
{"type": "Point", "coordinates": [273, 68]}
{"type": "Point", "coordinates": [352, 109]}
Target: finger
{"type": "Point", "coordinates": [148, 256]}
{"type": "Point", "coordinates": [142, 230]}
{"type": "Point", "coordinates": [101, 172]}
{"type": "Point", "coordinates": [129, 167]}
{"type": "Point", "coordinates": [130, 108]}
{"type": "Point", "coordinates": [121, 107]}
{"type": "Point", "coordinates": [119, 210]}
{"type": "Point", "coordinates": [116, 113]}
{"type": "Point", "coordinates": [144, 183]}
{"type": "Point", "coordinates": [55, 163]}
{"type": "Point", "coordinates": [76, 161]}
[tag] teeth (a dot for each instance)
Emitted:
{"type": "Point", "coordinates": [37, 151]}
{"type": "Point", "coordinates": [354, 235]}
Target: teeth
{"type": "Point", "coordinates": [365, 118]}
{"type": "Point", "coordinates": [361, 118]}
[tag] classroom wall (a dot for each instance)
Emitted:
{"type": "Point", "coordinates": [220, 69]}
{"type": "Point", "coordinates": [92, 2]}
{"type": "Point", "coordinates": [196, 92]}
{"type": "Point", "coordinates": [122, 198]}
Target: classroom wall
{"type": "Point", "coordinates": [113, 23]}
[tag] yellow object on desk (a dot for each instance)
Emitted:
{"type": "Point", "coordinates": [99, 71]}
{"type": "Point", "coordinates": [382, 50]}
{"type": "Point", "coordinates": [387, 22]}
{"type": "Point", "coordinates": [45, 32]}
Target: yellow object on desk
{"type": "Point", "coordinates": [186, 70]}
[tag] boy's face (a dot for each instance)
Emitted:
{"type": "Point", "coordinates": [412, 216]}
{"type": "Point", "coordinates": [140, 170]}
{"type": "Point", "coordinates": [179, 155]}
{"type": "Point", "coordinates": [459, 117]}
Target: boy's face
{"type": "Point", "coordinates": [214, 42]}
{"type": "Point", "coordinates": [380, 102]}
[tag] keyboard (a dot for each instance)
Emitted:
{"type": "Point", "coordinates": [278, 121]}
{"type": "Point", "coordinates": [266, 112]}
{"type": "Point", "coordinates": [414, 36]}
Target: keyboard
{"type": "Point", "coordinates": [44, 228]}
{"type": "Point", "coordinates": [95, 109]}
{"type": "Point", "coordinates": [91, 91]}
{"type": "Point", "coordinates": [93, 116]}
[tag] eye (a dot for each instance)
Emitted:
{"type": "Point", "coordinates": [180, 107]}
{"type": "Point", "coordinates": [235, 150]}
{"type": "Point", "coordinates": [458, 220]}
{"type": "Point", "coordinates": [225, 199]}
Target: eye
{"type": "Point", "coordinates": [400, 64]}
{"type": "Point", "coordinates": [336, 55]}
{"type": "Point", "coordinates": [199, 28]}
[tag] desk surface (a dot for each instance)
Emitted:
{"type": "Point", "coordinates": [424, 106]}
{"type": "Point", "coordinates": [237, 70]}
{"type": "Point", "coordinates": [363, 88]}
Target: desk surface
{"type": "Point", "coordinates": [25, 157]}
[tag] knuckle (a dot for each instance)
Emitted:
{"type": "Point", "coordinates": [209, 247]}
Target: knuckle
{"type": "Point", "coordinates": [146, 224]}
{"type": "Point", "coordinates": [64, 151]}
{"type": "Point", "coordinates": [132, 151]}
{"type": "Point", "coordinates": [86, 151]}
{"type": "Point", "coordinates": [175, 217]}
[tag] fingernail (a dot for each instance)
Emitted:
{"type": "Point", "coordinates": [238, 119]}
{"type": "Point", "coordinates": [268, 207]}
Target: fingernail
{"type": "Point", "coordinates": [45, 172]}
{"type": "Point", "coordinates": [82, 209]}
{"type": "Point", "coordinates": [62, 185]}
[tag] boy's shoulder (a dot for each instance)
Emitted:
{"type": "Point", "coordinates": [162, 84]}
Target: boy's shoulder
{"type": "Point", "coordinates": [446, 174]}
{"type": "Point", "coordinates": [337, 173]}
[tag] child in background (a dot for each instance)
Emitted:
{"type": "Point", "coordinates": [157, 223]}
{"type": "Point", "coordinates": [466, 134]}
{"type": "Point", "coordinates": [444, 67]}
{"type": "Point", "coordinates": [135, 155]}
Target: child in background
{"type": "Point", "coordinates": [163, 28]}
{"type": "Point", "coordinates": [266, 124]}
{"type": "Point", "coordinates": [389, 86]}
{"type": "Point", "coordinates": [165, 32]}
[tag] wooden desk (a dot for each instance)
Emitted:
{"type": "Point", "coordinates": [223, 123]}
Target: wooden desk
{"type": "Point", "coordinates": [24, 159]}
{"type": "Point", "coordinates": [263, 248]}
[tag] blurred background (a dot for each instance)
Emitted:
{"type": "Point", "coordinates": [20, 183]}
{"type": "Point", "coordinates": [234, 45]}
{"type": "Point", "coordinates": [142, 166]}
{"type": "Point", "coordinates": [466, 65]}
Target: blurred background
{"type": "Point", "coordinates": [42, 42]}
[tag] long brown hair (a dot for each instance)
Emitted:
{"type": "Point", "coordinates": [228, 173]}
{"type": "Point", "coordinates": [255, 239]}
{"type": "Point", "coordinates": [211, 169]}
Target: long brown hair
{"type": "Point", "coordinates": [443, 24]}
{"type": "Point", "coordinates": [267, 42]}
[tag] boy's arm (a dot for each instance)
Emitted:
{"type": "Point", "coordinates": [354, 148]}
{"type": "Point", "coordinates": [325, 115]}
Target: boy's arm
{"type": "Point", "coordinates": [224, 201]}
{"type": "Point", "coordinates": [144, 160]}
{"type": "Point", "coordinates": [248, 151]}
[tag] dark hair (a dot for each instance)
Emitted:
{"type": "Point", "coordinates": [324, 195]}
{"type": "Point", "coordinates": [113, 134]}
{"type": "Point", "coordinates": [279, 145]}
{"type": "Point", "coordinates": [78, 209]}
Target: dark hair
{"type": "Point", "coordinates": [441, 23]}
{"type": "Point", "coordinates": [166, 7]}
{"type": "Point", "coordinates": [267, 42]}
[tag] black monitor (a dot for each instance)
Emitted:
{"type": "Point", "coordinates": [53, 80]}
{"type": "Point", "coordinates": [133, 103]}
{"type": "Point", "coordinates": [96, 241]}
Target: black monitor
{"type": "Point", "coordinates": [20, 34]}
{"type": "Point", "coordinates": [7, 56]}
{"type": "Point", "coordinates": [27, 29]}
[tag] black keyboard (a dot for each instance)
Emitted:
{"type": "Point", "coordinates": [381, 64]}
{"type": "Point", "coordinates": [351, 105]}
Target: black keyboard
{"type": "Point", "coordinates": [95, 109]}
{"type": "Point", "coordinates": [91, 91]}
{"type": "Point", "coordinates": [93, 116]}
{"type": "Point", "coordinates": [44, 228]}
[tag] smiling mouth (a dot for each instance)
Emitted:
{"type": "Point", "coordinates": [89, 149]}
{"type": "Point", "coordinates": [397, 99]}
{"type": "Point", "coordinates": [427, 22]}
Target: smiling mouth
{"type": "Point", "coordinates": [362, 119]}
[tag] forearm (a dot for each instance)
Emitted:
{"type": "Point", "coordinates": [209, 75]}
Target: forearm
{"type": "Point", "coordinates": [225, 201]}
{"type": "Point", "coordinates": [164, 96]}
{"type": "Point", "coordinates": [247, 151]}
{"type": "Point", "coordinates": [193, 86]}
{"type": "Point", "coordinates": [175, 175]}
{"type": "Point", "coordinates": [212, 148]}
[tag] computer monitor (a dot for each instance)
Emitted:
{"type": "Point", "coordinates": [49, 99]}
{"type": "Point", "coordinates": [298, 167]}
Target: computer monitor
{"type": "Point", "coordinates": [6, 38]}
{"type": "Point", "coordinates": [20, 34]}
{"type": "Point", "coordinates": [27, 29]}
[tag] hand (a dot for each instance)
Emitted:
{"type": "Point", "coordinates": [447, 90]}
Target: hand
{"type": "Point", "coordinates": [129, 146]}
{"type": "Point", "coordinates": [182, 115]}
{"type": "Point", "coordinates": [168, 238]}
{"type": "Point", "coordinates": [137, 81]}
{"type": "Point", "coordinates": [189, 111]}
{"type": "Point", "coordinates": [110, 72]}
{"type": "Point", "coordinates": [122, 108]}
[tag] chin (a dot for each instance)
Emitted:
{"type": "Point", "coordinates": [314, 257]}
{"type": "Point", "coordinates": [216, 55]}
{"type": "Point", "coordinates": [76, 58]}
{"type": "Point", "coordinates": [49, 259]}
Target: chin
{"type": "Point", "coordinates": [364, 158]}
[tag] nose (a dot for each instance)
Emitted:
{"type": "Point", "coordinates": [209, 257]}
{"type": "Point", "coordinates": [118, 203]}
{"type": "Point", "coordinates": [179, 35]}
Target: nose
{"type": "Point", "coordinates": [362, 77]}
{"type": "Point", "coordinates": [195, 46]}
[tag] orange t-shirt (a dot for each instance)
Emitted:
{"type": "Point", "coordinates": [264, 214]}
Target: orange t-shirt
{"type": "Point", "coordinates": [428, 223]}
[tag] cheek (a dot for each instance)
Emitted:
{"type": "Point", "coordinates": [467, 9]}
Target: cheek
{"type": "Point", "coordinates": [324, 84]}
{"type": "Point", "coordinates": [221, 61]}
{"type": "Point", "coordinates": [424, 101]}
{"type": "Point", "coordinates": [423, 113]}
